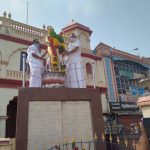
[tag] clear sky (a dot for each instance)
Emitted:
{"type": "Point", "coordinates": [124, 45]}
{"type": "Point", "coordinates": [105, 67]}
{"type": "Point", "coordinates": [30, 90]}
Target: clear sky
{"type": "Point", "coordinates": [123, 24]}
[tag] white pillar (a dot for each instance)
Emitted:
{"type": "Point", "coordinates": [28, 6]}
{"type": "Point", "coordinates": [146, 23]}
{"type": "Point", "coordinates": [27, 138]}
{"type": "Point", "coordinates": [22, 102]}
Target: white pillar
{"type": "Point", "coordinates": [93, 72]}
{"type": "Point", "coordinates": [23, 71]}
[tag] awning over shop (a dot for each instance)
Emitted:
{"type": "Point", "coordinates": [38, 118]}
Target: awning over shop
{"type": "Point", "coordinates": [130, 119]}
{"type": "Point", "coordinates": [126, 74]}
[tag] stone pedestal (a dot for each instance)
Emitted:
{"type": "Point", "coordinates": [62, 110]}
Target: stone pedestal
{"type": "Point", "coordinates": [48, 117]}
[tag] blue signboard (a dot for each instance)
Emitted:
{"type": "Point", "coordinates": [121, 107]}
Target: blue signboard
{"type": "Point", "coordinates": [137, 91]}
{"type": "Point", "coordinates": [141, 91]}
{"type": "Point", "coordinates": [134, 91]}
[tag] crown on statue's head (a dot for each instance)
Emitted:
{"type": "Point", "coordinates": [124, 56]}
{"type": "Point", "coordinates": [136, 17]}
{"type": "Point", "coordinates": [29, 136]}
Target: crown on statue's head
{"type": "Point", "coordinates": [49, 29]}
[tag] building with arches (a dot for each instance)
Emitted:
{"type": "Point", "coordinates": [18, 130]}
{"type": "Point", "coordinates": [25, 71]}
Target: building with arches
{"type": "Point", "coordinates": [15, 37]}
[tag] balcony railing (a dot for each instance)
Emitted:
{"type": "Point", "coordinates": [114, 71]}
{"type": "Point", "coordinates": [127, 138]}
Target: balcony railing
{"type": "Point", "coordinates": [15, 75]}
{"type": "Point", "coordinates": [23, 29]}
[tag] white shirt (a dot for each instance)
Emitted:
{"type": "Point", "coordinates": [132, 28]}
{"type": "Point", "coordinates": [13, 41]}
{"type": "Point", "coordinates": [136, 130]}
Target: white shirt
{"type": "Point", "coordinates": [63, 59]}
{"type": "Point", "coordinates": [75, 56]}
{"type": "Point", "coordinates": [33, 49]}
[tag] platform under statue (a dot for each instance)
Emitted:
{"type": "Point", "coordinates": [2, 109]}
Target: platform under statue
{"type": "Point", "coordinates": [54, 116]}
{"type": "Point", "coordinates": [56, 64]}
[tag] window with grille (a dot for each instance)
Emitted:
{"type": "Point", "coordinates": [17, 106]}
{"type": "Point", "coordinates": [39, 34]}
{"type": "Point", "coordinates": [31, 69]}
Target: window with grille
{"type": "Point", "coordinates": [88, 69]}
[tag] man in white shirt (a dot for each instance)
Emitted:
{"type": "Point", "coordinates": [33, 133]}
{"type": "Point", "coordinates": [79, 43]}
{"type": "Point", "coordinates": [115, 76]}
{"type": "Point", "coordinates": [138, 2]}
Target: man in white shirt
{"type": "Point", "coordinates": [75, 77]}
{"type": "Point", "coordinates": [36, 63]}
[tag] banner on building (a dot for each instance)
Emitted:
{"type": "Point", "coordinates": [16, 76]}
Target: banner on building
{"type": "Point", "coordinates": [123, 106]}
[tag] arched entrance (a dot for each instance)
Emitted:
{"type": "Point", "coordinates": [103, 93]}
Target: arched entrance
{"type": "Point", "coordinates": [11, 121]}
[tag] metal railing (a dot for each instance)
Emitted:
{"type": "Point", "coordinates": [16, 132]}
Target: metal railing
{"type": "Point", "coordinates": [15, 75]}
{"type": "Point", "coordinates": [107, 142]}
{"type": "Point", "coordinates": [22, 29]}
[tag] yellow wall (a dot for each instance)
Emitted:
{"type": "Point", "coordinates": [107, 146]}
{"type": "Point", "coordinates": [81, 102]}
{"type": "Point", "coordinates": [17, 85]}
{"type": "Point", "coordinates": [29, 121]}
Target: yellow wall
{"type": "Point", "coordinates": [11, 54]}
{"type": "Point", "coordinates": [146, 111]}
{"type": "Point", "coordinates": [99, 72]}
{"type": "Point", "coordinates": [105, 104]}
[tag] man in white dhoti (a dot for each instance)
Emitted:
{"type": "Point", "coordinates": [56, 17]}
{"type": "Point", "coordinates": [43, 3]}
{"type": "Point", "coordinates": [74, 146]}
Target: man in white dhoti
{"type": "Point", "coordinates": [36, 63]}
{"type": "Point", "coordinates": [75, 77]}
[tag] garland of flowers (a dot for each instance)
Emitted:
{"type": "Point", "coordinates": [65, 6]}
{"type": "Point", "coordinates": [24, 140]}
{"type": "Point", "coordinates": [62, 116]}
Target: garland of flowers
{"type": "Point", "coordinates": [55, 41]}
